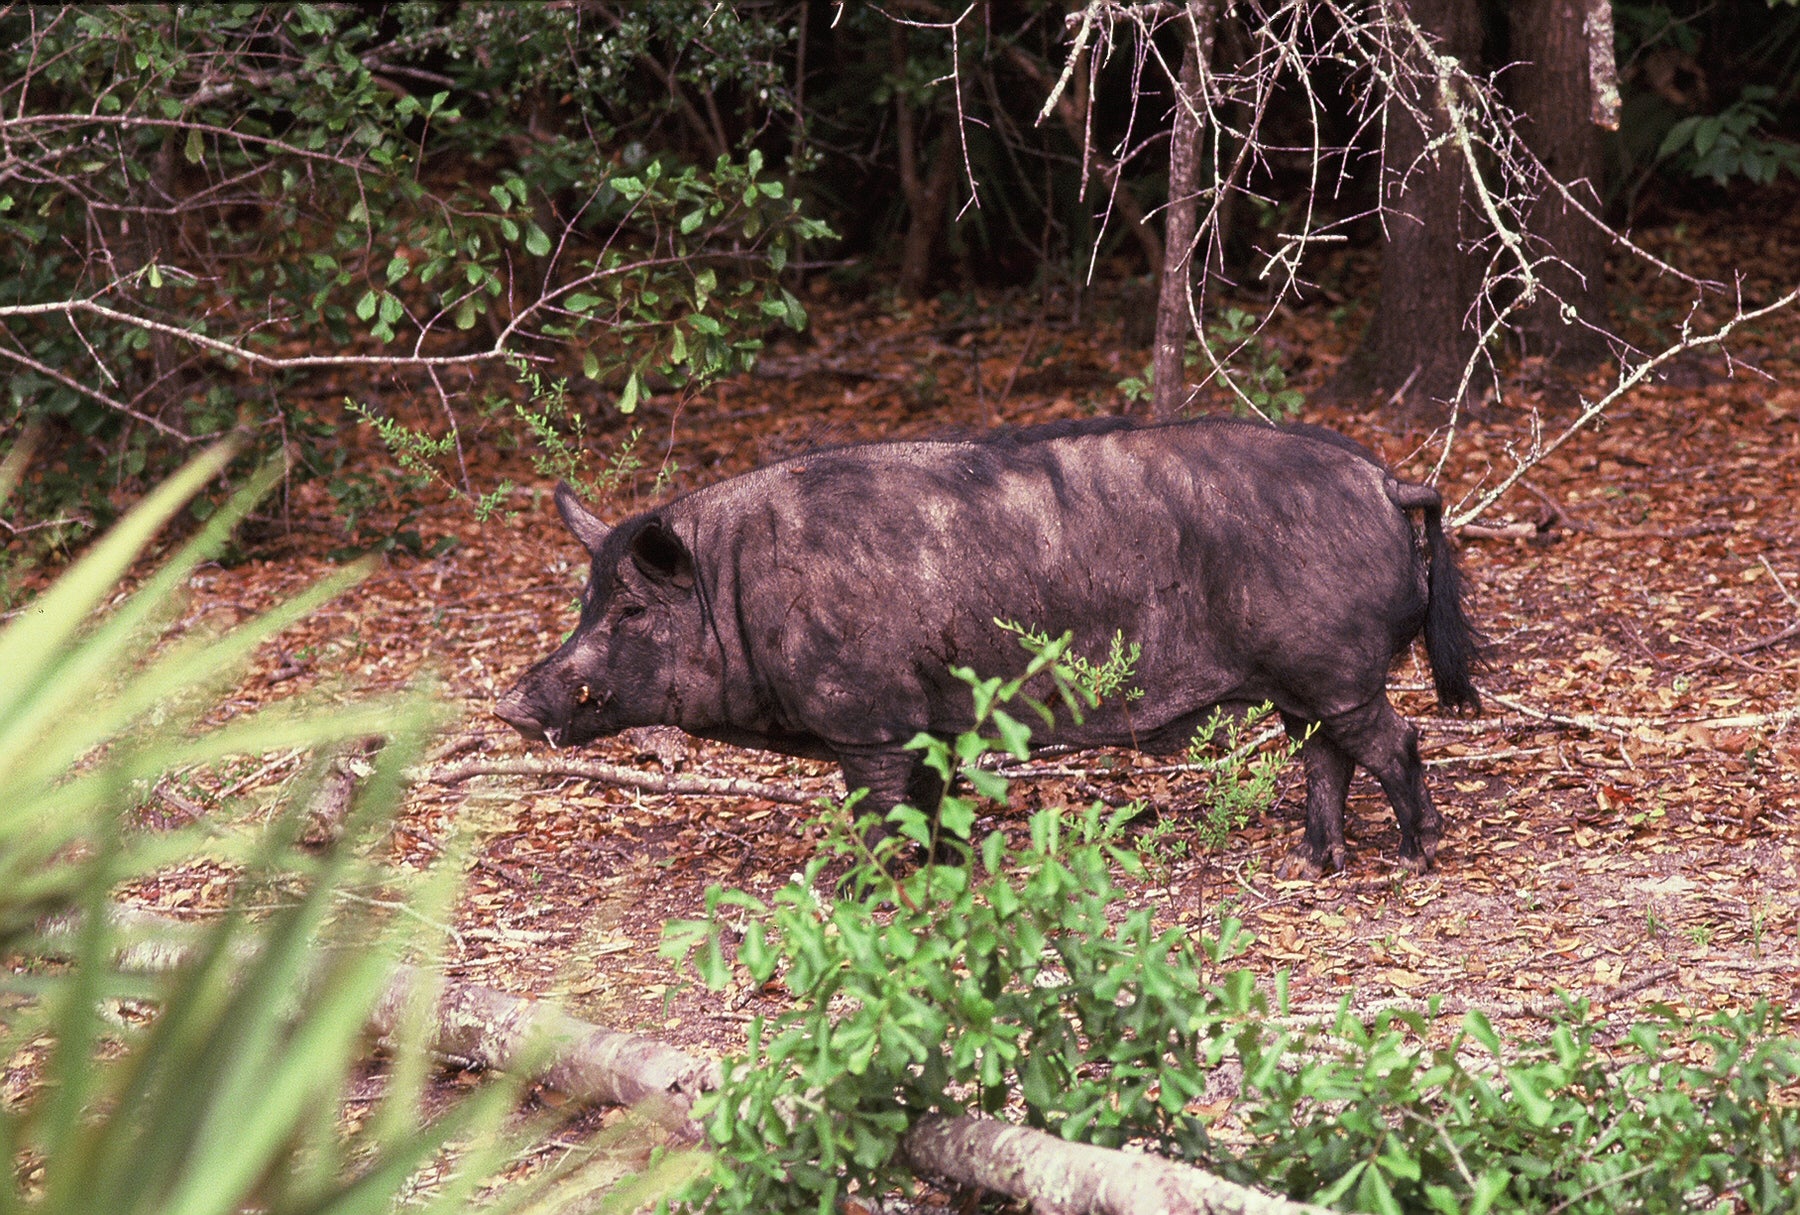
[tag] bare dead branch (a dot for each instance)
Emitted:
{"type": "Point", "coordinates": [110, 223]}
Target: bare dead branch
{"type": "Point", "coordinates": [499, 350]}
{"type": "Point", "coordinates": [43, 369]}
{"type": "Point", "coordinates": [1628, 379]}
{"type": "Point", "coordinates": [1728, 653]}
{"type": "Point", "coordinates": [616, 776]}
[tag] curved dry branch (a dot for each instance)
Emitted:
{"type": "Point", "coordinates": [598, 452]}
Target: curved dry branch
{"type": "Point", "coordinates": [1629, 379]}
{"type": "Point", "coordinates": [500, 348]}
{"type": "Point", "coordinates": [619, 777]}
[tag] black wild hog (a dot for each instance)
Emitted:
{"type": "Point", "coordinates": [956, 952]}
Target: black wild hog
{"type": "Point", "coordinates": [815, 607]}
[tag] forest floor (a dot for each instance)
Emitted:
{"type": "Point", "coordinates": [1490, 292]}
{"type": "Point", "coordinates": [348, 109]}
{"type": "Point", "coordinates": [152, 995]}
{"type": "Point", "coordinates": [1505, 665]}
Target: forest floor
{"type": "Point", "coordinates": [1623, 818]}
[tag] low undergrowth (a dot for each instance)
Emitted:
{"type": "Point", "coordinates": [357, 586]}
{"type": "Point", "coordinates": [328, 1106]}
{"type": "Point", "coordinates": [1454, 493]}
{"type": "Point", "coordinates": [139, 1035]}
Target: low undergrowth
{"type": "Point", "coordinates": [1021, 984]}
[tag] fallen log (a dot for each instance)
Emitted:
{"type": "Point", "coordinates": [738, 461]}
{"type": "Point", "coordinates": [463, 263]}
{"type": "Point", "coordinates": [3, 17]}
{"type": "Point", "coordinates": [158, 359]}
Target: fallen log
{"type": "Point", "coordinates": [489, 1029]}
{"type": "Point", "coordinates": [482, 1027]}
{"type": "Point", "coordinates": [1061, 1178]}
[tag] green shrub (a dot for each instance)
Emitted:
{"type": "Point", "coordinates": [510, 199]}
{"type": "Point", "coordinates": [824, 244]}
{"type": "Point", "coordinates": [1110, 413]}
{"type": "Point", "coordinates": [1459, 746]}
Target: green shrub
{"type": "Point", "coordinates": [1242, 362]}
{"type": "Point", "coordinates": [202, 189]}
{"type": "Point", "coordinates": [1676, 1116]}
{"type": "Point", "coordinates": [1023, 984]}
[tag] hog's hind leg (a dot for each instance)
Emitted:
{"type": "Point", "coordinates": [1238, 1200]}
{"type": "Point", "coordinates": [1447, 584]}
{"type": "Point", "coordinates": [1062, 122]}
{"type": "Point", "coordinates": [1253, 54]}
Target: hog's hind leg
{"type": "Point", "coordinates": [1388, 746]}
{"type": "Point", "coordinates": [1327, 783]}
{"type": "Point", "coordinates": [891, 777]}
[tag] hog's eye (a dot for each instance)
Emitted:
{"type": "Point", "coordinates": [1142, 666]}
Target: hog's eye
{"type": "Point", "coordinates": [630, 611]}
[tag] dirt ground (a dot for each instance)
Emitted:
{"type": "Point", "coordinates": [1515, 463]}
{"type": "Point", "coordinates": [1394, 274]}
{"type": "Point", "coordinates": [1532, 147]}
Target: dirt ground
{"type": "Point", "coordinates": [1623, 819]}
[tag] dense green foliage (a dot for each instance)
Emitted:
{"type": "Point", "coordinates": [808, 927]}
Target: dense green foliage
{"type": "Point", "coordinates": [202, 190]}
{"type": "Point", "coordinates": [1712, 92]}
{"type": "Point", "coordinates": [210, 206]}
{"type": "Point", "coordinates": [1673, 1116]}
{"type": "Point", "coordinates": [1021, 984]}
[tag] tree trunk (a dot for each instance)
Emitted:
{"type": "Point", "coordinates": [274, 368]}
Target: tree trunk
{"type": "Point", "coordinates": [1174, 303]}
{"type": "Point", "coordinates": [927, 197]}
{"type": "Point", "coordinates": [1553, 88]}
{"type": "Point", "coordinates": [928, 203]}
{"type": "Point", "coordinates": [1420, 338]}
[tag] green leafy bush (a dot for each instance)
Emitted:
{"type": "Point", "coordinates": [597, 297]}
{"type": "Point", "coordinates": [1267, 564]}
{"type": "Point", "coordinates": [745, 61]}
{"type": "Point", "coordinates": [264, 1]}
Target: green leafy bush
{"type": "Point", "coordinates": [1024, 985]}
{"type": "Point", "coordinates": [1237, 774]}
{"type": "Point", "coordinates": [212, 203]}
{"type": "Point", "coordinates": [1007, 982]}
{"type": "Point", "coordinates": [1674, 1116]}
{"type": "Point", "coordinates": [1010, 979]}
{"type": "Point", "coordinates": [1734, 142]}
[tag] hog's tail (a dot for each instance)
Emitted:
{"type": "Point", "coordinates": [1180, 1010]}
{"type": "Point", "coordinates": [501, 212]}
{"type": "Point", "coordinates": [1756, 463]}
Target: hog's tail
{"type": "Point", "coordinates": [1452, 643]}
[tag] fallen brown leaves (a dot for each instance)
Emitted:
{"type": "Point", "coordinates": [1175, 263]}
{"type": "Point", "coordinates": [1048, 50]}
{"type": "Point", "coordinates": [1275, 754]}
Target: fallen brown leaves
{"type": "Point", "coordinates": [1624, 823]}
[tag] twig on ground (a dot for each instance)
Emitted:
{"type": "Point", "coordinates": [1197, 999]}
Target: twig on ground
{"type": "Point", "coordinates": [175, 800]}
{"type": "Point", "coordinates": [1735, 653]}
{"type": "Point", "coordinates": [1529, 531]}
{"type": "Point", "coordinates": [613, 774]}
{"type": "Point", "coordinates": [279, 762]}
{"type": "Point", "coordinates": [1479, 757]}
{"type": "Point", "coordinates": [1499, 531]}
{"type": "Point", "coordinates": [1024, 353]}
{"type": "Point", "coordinates": [1779, 584]}
{"type": "Point", "coordinates": [1607, 723]}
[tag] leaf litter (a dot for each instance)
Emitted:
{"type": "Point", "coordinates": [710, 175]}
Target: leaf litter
{"type": "Point", "coordinates": [1623, 820]}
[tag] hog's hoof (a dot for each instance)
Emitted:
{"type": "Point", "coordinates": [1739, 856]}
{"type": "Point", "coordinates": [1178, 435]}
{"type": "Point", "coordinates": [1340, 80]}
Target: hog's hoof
{"type": "Point", "coordinates": [1301, 863]}
{"type": "Point", "coordinates": [1297, 865]}
{"type": "Point", "coordinates": [1420, 857]}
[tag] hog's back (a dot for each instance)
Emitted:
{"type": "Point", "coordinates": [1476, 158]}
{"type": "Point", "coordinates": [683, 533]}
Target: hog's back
{"type": "Point", "coordinates": [1249, 563]}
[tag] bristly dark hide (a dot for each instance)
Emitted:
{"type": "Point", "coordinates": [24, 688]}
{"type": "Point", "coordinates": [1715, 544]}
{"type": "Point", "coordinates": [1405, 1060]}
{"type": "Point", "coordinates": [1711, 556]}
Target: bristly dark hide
{"type": "Point", "coordinates": [816, 606]}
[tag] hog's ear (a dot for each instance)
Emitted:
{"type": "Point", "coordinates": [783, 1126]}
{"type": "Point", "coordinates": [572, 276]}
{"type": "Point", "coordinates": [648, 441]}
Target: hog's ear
{"type": "Point", "coordinates": [661, 555]}
{"type": "Point", "coordinates": [584, 523]}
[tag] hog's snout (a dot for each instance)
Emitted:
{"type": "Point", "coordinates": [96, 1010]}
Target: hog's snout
{"type": "Point", "coordinates": [513, 710]}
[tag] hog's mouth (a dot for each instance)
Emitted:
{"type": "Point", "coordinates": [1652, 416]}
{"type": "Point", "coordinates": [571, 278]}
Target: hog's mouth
{"type": "Point", "coordinates": [572, 731]}
{"type": "Point", "coordinates": [520, 717]}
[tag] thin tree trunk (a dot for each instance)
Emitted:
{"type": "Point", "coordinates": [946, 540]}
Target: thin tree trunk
{"type": "Point", "coordinates": [927, 196]}
{"type": "Point", "coordinates": [1174, 303]}
{"type": "Point", "coordinates": [929, 205]}
{"type": "Point", "coordinates": [1553, 87]}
